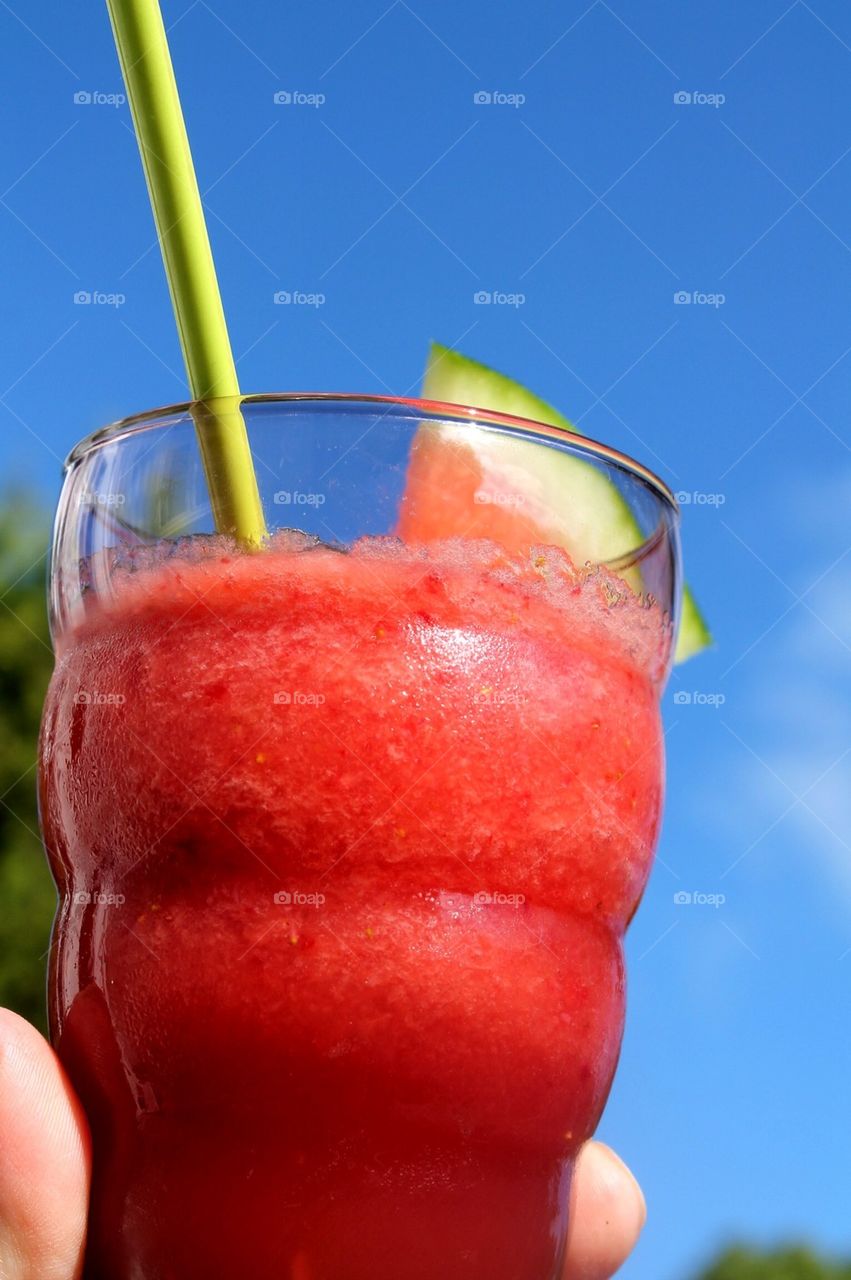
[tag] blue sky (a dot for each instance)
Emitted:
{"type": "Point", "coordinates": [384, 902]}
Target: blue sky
{"type": "Point", "coordinates": [599, 197]}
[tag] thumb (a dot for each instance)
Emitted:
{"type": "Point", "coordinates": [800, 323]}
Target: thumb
{"type": "Point", "coordinates": [44, 1160]}
{"type": "Point", "coordinates": [607, 1213]}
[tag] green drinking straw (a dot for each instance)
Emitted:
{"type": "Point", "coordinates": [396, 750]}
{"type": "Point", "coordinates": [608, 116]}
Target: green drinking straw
{"type": "Point", "coordinates": [140, 39]}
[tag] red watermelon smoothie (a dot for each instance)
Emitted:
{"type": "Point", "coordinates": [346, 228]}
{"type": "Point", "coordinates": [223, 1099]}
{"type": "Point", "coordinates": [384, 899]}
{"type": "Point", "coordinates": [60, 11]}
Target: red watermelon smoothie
{"type": "Point", "coordinates": [346, 845]}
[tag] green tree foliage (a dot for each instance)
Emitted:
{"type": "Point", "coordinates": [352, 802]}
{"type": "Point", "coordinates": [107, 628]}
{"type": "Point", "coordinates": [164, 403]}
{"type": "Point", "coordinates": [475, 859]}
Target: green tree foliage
{"type": "Point", "coordinates": [797, 1263]}
{"type": "Point", "coordinates": [27, 895]}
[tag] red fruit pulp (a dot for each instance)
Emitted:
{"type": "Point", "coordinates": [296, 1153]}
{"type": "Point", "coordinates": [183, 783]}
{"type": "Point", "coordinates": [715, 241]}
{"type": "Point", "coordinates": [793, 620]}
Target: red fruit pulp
{"type": "Point", "coordinates": [346, 844]}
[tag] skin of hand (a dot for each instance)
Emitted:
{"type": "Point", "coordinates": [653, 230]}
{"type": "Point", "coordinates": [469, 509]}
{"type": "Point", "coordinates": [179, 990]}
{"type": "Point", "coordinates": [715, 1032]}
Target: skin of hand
{"type": "Point", "coordinates": [45, 1161]}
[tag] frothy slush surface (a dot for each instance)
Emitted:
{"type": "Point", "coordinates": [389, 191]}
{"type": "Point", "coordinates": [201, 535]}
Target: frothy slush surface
{"type": "Point", "coordinates": [346, 845]}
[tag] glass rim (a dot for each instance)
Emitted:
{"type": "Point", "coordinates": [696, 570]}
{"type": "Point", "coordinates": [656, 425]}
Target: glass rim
{"type": "Point", "coordinates": [441, 408]}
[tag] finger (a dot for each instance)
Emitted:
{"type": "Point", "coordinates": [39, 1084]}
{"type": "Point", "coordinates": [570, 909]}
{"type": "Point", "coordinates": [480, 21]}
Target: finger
{"type": "Point", "coordinates": [607, 1213]}
{"type": "Point", "coordinates": [44, 1160]}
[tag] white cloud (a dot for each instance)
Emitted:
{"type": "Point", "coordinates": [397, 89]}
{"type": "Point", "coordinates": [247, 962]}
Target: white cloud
{"type": "Point", "coordinates": [796, 720]}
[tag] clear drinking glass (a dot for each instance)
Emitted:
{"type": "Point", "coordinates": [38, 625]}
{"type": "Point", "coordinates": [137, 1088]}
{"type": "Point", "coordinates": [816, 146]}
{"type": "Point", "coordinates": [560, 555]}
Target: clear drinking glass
{"type": "Point", "coordinates": [346, 833]}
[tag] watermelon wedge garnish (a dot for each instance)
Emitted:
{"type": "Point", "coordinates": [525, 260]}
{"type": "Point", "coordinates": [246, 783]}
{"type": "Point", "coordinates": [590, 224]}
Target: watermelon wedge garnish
{"type": "Point", "coordinates": [501, 487]}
